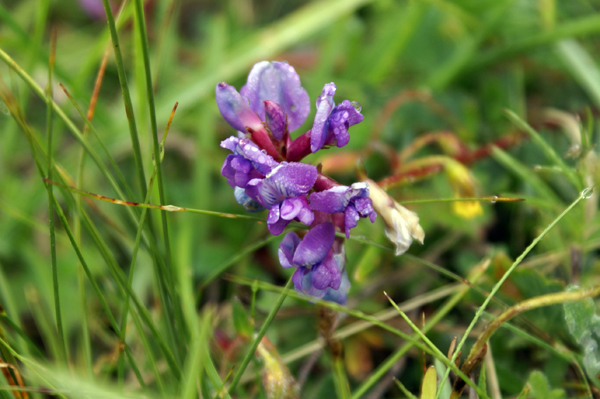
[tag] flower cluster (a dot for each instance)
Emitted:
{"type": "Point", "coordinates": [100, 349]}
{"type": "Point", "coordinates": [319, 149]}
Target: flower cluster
{"type": "Point", "coordinates": [265, 171]}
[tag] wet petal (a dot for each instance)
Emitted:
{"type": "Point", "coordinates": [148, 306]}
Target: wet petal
{"type": "Point", "coordinates": [274, 214]}
{"type": "Point", "coordinates": [244, 147]}
{"type": "Point", "coordinates": [277, 82]}
{"type": "Point", "coordinates": [331, 201]}
{"type": "Point", "coordinates": [275, 119]}
{"type": "Point", "coordinates": [235, 108]}
{"type": "Point", "coordinates": [288, 180]}
{"type": "Point", "coordinates": [342, 117]}
{"type": "Point", "coordinates": [324, 106]}
{"type": "Point", "coordinates": [287, 246]}
{"type": "Point", "coordinates": [321, 276]}
{"type": "Point", "coordinates": [315, 245]}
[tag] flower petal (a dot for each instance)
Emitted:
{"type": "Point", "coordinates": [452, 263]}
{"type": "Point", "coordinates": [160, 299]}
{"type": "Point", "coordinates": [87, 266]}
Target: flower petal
{"type": "Point", "coordinates": [321, 276]}
{"type": "Point", "coordinates": [331, 201]}
{"type": "Point", "coordinates": [342, 117]}
{"type": "Point", "coordinates": [324, 106]}
{"type": "Point", "coordinates": [235, 108]}
{"type": "Point", "coordinates": [303, 283]}
{"type": "Point", "coordinates": [351, 217]}
{"type": "Point", "coordinates": [277, 82]}
{"type": "Point", "coordinates": [315, 245]}
{"type": "Point", "coordinates": [287, 246]}
{"type": "Point", "coordinates": [244, 147]}
{"type": "Point", "coordinates": [339, 295]}
{"type": "Point", "coordinates": [275, 119]}
{"type": "Point", "coordinates": [248, 203]}
{"type": "Point", "coordinates": [288, 180]}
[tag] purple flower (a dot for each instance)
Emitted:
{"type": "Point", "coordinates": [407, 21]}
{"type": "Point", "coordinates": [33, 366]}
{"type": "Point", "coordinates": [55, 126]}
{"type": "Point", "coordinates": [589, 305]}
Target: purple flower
{"type": "Point", "coordinates": [332, 122]}
{"type": "Point", "coordinates": [283, 192]}
{"type": "Point", "coordinates": [279, 83]}
{"type": "Point", "coordinates": [353, 201]}
{"type": "Point", "coordinates": [318, 269]}
{"type": "Point", "coordinates": [245, 149]}
{"type": "Point", "coordinates": [235, 108]}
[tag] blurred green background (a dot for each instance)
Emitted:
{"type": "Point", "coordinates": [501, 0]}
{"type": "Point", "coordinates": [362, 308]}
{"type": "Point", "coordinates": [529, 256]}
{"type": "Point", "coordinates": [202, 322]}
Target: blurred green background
{"type": "Point", "coordinates": [416, 67]}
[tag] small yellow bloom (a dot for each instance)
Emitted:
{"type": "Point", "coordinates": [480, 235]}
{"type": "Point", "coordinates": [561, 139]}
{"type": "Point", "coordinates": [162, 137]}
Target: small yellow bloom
{"type": "Point", "coordinates": [402, 224]}
{"type": "Point", "coordinates": [464, 185]}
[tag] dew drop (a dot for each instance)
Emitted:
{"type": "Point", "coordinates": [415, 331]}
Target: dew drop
{"type": "Point", "coordinates": [264, 151]}
{"type": "Point", "coordinates": [587, 193]}
{"type": "Point", "coordinates": [493, 199]}
{"type": "Point", "coordinates": [356, 105]}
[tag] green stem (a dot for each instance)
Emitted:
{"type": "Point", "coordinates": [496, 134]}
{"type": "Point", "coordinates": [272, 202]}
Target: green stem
{"type": "Point", "coordinates": [137, 155]}
{"type": "Point", "coordinates": [496, 288]}
{"type": "Point", "coordinates": [261, 333]}
{"type": "Point", "coordinates": [139, 10]}
{"type": "Point", "coordinates": [431, 322]}
{"type": "Point", "coordinates": [479, 348]}
{"type": "Point", "coordinates": [49, 188]}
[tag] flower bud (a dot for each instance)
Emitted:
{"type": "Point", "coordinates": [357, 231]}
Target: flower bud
{"type": "Point", "coordinates": [276, 378]}
{"type": "Point", "coordinates": [402, 224]}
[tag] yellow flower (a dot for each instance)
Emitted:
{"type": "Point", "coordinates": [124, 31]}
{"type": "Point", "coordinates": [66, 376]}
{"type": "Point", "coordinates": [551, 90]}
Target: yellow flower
{"type": "Point", "coordinates": [464, 185]}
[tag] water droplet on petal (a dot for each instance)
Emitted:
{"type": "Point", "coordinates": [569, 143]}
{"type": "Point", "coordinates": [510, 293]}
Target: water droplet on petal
{"type": "Point", "coordinates": [493, 199]}
{"type": "Point", "coordinates": [587, 193]}
{"type": "Point", "coordinates": [356, 105]}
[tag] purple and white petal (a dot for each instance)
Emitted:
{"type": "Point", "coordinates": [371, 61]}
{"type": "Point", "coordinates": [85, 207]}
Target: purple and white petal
{"type": "Point", "coordinates": [315, 245]}
{"type": "Point", "coordinates": [288, 180]}
{"type": "Point", "coordinates": [235, 108]}
{"type": "Point", "coordinates": [275, 119]}
{"type": "Point", "coordinates": [324, 106]}
{"type": "Point", "coordinates": [277, 82]}
{"type": "Point", "coordinates": [306, 216]}
{"type": "Point", "coordinates": [244, 147]}
{"type": "Point", "coordinates": [287, 246]}
{"type": "Point", "coordinates": [296, 207]}
{"type": "Point", "coordinates": [330, 201]}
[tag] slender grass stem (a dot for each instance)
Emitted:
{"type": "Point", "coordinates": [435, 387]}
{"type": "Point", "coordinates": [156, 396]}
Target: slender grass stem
{"type": "Point", "coordinates": [139, 10]}
{"type": "Point", "coordinates": [49, 188]}
{"type": "Point", "coordinates": [137, 154]}
{"type": "Point", "coordinates": [85, 329]}
{"type": "Point", "coordinates": [136, 247]}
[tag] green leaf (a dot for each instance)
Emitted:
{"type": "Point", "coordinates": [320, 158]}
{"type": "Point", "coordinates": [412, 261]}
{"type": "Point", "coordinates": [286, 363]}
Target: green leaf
{"type": "Point", "coordinates": [584, 326]}
{"type": "Point", "coordinates": [540, 387]}
{"type": "Point", "coordinates": [241, 320]}
{"type": "Point", "coordinates": [429, 388]}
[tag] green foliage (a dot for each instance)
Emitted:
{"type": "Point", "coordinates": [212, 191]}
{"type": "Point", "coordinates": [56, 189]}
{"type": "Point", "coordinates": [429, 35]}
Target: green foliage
{"type": "Point", "coordinates": [540, 387]}
{"type": "Point", "coordinates": [584, 326]}
{"type": "Point", "coordinates": [142, 304]}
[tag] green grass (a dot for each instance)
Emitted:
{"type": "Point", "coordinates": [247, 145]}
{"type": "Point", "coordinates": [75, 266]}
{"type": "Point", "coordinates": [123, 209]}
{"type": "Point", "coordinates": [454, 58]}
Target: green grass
{"type": "Point", "coordinates": [99, 299]}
